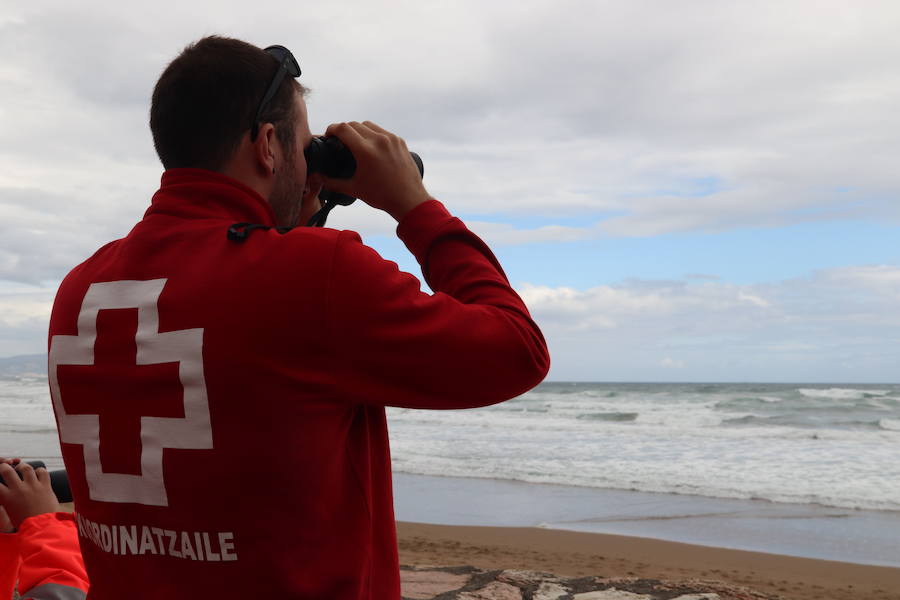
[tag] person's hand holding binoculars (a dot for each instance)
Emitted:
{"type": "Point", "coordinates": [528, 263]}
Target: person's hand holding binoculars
{"type": "Point", "coordinates": [386, 176]}
{"type": "Point", "coordinates": [25, 492]}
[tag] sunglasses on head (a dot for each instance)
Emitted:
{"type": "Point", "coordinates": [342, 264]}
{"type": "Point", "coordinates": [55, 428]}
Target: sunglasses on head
{"type": "Point", "coordinates": [287, 64]}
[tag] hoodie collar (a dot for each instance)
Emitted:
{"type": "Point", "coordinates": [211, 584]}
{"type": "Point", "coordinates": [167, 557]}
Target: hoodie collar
{"type": "Point", "coordinates": [202, 194]}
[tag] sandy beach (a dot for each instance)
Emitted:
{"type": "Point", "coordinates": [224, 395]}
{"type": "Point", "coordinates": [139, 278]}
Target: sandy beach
{"type": "Point", "coordinates": [570, 553]}
{"type": "Point", "coordinates": [577, 554]}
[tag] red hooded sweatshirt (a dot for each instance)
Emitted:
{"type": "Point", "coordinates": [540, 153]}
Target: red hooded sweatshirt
{"type": "Point", "coordinates": [220, 397]}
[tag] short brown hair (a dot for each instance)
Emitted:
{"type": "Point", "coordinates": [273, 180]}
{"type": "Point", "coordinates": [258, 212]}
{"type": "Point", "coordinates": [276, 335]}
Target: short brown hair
{"type": "Point", "coordinates": [207, 98]}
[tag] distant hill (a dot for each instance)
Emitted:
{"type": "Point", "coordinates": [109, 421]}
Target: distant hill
{"type": "Point", "coordinates": [25, 364]}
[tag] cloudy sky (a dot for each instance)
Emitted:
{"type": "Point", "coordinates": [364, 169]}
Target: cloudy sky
{"type": "Point", "coordinates": [696, 190]}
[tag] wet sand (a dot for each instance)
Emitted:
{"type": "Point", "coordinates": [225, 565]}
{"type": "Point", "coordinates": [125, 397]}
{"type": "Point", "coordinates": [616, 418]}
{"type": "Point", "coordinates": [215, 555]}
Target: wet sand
{"type": "Point", "coordinates": [804, 530]}
{"type": "Point", "coordinates": [570, 553]}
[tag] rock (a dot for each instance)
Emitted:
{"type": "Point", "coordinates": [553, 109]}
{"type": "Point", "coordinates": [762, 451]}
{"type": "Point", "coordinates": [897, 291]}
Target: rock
{"type": "Point", "coordinates": [471, 583]}
{"type": "Point", "coordinates": [611, 594]}
{"type": "Point", "coordinates": [496, 590]}
{"type": "Point", "coordinates": [520, 578]}
{"type": "Point", "coordinates": [550, 591]}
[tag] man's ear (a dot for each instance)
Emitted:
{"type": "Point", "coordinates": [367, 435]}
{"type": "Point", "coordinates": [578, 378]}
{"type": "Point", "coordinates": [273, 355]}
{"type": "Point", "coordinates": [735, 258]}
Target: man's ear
{"type": "Point", "coordinates": [266, 149]}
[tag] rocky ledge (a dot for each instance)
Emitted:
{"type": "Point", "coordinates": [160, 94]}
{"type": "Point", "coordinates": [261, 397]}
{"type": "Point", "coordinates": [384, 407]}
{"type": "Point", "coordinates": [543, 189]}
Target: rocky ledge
{"type": "Point", "coordinates": [469, 583]}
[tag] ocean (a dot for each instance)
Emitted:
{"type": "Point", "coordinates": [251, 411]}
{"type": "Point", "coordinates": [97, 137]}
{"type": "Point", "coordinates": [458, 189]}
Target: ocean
{"type": "Point", "coordinates": [798, 469]}
{"type": "Point", "coordinates": [832, 445]}
{"type": "Point", "coordinates": [627, 458]}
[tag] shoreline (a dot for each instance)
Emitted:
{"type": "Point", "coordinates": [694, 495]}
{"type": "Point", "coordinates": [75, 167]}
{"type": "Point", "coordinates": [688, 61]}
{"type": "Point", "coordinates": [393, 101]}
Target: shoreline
{"type": "Point", "coordinates": [818, 532]}
{"type": "Point", "coordinates": [577, 554]}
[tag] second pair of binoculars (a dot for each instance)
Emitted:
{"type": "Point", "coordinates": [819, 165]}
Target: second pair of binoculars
{"type": "Point", "coordinates": [59, 481]}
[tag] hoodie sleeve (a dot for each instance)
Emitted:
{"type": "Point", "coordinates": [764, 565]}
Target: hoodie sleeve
{"type": "Point", "coordinates": [471, 343]}
{"type": "Point", "coordinates": [51, 567]}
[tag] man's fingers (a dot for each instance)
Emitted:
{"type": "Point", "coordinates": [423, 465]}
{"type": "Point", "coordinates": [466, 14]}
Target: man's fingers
{"type": "Point", "coordinates": [27, 472]}
{"type": "Point", "coordinates": [6, 525]}
{"type": "Point", "coordinates": [333, 129]}
{"type": "Point", "coordinates": [365, 132]}
{"type": "Point", "coordinates": [355, 134]}
{"type": "Point", "coordinates": [10, 478]}
{"type": "Point", "coordinates": [43, 475]}
{"type": "Point", "coordinates": [345, 132]}
{"type": "Point", "coordinates": [375, 127]}
{"type": "Point", "coordinates": [361, 128]}
{"type": "Point", "coordinates": [386, 176]}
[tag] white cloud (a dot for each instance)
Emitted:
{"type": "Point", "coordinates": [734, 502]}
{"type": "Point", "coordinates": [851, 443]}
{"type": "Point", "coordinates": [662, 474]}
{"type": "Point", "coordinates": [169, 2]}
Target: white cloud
{"type": "Point", "coordinates": [24, 318]}
{"type": "Point", "coordinates": [755, 300]}
{"type": "Point", "coordinates": [878, 279]}
{"type": "Point", "coordinates": [638, 300]}
{"type": "Point", "coordinates": [502, 234]}
{"type": "Point", "coordinates": [25, 308]}
{"type": "Point", "coordinates": [835, 325]}
{"type": "Point", "coordinates": [671, 363]}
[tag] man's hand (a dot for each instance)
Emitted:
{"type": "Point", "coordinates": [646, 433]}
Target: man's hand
{"type": "Point", "coordinates": [6, 525]}
{"type": "Point", "coordinates": [26, 497]}
{"type": "Point", "coordinates": [386, 176]}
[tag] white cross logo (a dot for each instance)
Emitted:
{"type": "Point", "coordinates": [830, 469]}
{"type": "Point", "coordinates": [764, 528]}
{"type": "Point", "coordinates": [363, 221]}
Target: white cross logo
{"type": "Point", "coordinates": [184, 347]}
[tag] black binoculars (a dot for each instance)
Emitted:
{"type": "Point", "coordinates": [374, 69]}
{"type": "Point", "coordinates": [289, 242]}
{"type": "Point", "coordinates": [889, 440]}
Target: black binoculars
{"type": "Point", "coordinates": [328, 156]}
{"type": "Point", "coordinates": [59, 481]}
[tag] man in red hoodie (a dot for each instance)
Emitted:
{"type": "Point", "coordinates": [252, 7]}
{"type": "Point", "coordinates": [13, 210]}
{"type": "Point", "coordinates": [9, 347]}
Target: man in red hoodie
{"type": "Point", "coordinates": [219, 337]}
